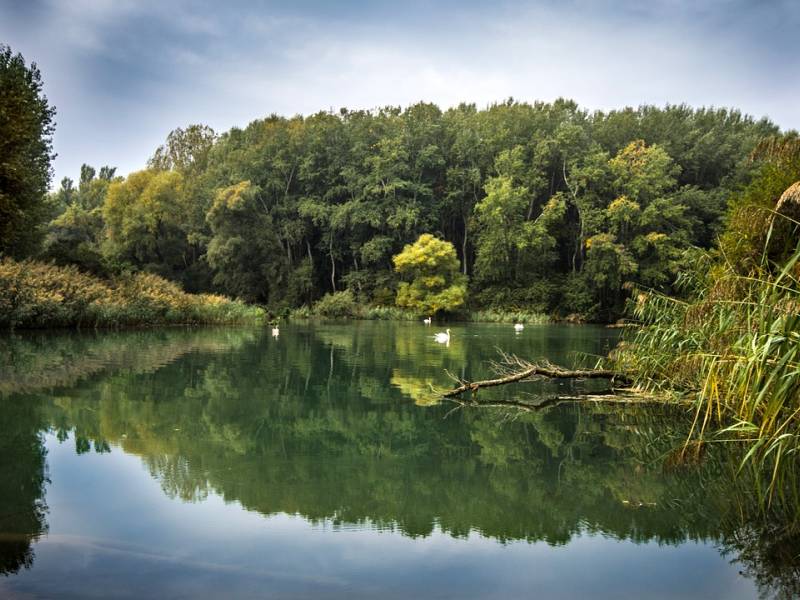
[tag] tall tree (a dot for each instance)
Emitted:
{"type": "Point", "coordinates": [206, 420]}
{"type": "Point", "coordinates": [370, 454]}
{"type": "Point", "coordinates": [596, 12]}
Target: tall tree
{"type": "Point", "coordinates": [26, 150]}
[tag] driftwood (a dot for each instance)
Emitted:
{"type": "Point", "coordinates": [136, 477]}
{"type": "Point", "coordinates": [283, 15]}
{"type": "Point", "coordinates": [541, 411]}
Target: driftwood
{"type": "Point", "coordinates": [513, 369]}
{"type": "Point", "coordinates": [526, 370]}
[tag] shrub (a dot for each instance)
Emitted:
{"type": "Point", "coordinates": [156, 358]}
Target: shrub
{"type": "Point", "coordinates": [35, 294]}
{"type": "Point", "coordinates": [337, 304]}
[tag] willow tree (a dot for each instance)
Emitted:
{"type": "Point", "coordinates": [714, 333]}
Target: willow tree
{"type": "Point", "coordinates": [436, 283]}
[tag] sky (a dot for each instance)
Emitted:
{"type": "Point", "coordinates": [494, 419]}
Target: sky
{"type": "Point", "coordinates": [123, 73]}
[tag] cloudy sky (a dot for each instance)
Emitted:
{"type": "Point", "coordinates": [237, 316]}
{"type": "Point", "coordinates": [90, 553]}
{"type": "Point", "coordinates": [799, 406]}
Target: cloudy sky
{"type": "Point", "coordinates": [123, 73]}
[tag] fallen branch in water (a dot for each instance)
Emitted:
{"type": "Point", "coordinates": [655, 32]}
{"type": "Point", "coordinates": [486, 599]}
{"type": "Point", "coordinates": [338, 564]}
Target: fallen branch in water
{"type": "Point", "coordinates": [527, 370]}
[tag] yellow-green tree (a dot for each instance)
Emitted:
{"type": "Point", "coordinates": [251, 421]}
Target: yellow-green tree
{"type": "Point", "coordinates": [434, 283]}
{"type": "Point", "coordinates": [144, 223]}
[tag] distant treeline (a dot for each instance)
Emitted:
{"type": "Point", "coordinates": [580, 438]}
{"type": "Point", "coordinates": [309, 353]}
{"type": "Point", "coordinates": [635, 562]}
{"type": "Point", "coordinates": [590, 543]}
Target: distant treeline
{"type": "Point", "coordinates": [550, 208]}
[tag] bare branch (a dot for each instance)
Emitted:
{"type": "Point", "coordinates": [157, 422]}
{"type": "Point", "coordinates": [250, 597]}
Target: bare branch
{"type": "Point", "coordinates": [525, 370]}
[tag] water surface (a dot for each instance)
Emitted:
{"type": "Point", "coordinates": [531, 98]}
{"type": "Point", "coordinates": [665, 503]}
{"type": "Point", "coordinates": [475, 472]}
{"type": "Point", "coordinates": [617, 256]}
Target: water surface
{"type": "Point", "coordinates": [206, 463]}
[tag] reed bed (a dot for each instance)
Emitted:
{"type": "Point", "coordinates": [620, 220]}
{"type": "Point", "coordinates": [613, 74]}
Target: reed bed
{"type": "Point", "coordinates": [734, 349]}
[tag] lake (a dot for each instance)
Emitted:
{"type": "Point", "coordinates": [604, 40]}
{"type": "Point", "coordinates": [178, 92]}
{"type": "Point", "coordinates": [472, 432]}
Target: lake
{"type": "Point", "coordinates": [207, 463]}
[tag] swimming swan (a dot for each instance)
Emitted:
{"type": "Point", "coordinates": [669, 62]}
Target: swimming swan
{"type": "Point", "coordinates": [275, 332]}
{"type": "Point", "coordinates": [443, 338]}
{"type": "Point", "coordinates": [518, 326]}
{"type": "Point", "coordinates": [427, 321]}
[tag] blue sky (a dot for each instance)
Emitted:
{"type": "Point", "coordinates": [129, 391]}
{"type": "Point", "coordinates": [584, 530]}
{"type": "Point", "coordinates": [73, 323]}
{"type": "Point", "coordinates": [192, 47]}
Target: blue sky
{"type": "Point", "coordinates": [123, 73]}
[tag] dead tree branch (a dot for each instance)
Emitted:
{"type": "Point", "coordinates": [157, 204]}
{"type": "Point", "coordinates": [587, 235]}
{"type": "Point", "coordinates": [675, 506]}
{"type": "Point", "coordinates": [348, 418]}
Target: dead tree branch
{"type": "Point", "coordinates": [520, 370]}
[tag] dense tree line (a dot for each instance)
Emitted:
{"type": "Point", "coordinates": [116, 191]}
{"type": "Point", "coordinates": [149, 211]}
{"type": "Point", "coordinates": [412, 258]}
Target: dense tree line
{"type": "Point", "coordinates": [550, 207]}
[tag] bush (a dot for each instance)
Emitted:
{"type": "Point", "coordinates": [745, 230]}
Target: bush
{"type": "Point", "coordinates": [388, 313]}
{"type": "Point", "coordinates": [337, 305]}
{"type": "Point", "coordinates": [38, 295]}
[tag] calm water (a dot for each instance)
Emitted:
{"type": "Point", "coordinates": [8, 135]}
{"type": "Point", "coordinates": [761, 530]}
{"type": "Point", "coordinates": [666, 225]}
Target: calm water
{"type": "Point", "coordinates": [227, 463]}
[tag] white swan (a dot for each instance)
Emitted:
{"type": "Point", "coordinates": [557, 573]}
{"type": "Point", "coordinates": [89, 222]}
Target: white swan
{"type": "Point", "coordinates": [518, 326]}
{"type": "Point", "coordinates": [275, 332]}
{"type": "Point", "coordinates": [442, 338]}
{"type": "Point", "coordinates": [427, 321]}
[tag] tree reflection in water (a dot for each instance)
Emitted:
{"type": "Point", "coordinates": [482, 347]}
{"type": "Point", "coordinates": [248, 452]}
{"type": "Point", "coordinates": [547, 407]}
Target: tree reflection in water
{"type": "Point", "coordinates": [323, 423]}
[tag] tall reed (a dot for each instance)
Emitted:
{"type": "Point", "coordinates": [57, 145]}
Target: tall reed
{"type": "Point", "coordinates": [734, 349]}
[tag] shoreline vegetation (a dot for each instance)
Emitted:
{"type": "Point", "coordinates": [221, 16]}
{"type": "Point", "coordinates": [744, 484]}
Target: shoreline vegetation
{"type": "Point", "coordinates": [35, 295]}
{"type": "Point", "coordinates": [343, 305]}
{"type": "Point", "coordinates": [38, 295]}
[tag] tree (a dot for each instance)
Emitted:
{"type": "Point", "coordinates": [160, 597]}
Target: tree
{"type": "Point", "coordinates": [436, 282]}
{"type": "Point", "coordinates": [185, 150]}
{"type": "Point", "coordinates": [73, 238]}
{"type": "Point", "coordinates": [500, 216]}
{"type": "Point", "coordinates": [520, 190]}
{"type": "Point", "coordinates": [144, 223]}
{"type": "Point", "coordinates": [26, 149]}
{"type": "Point", "coordinates": [245, 251]}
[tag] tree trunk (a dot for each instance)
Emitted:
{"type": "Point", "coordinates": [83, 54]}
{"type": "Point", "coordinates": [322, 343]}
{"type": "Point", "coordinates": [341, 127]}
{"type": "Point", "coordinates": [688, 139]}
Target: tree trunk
{"type": "Point", "coordinates": [333, 265]}
{"type": "Point", "coordinates": [464, 244]}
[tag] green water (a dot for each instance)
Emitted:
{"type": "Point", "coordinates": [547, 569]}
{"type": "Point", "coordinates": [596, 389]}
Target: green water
{"type": "Point", "coordinates": [213, 463]}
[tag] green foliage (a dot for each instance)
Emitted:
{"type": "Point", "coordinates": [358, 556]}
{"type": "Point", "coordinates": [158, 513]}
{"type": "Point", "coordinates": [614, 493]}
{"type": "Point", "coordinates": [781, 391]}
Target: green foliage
{"type": "Point", "coordinates": [26, 149]}
{"type": "Point", "coordinates": [508, 316]}
{"type": "Point", "coordinates": [245, 250]}
{"type": "Point", "coordinates": [34, 294]}
{"type": "Point", "coordinates": [387, 313]}
{"type": "Point", "coordinates": [143, 222]}
{"type": "Point", "coordinates": [732, 344]}
{"type": "Point", "coordinates": [72, 239]}
{"type": "Point", "coordinates": [337, 305]}
{"type": "Point", "coordinates": [436, 283]}
{"type": "Point", "coordinates": [548, 208]}
{"type": "Point", "coordinates": [75, 236]}
{"type": "Point", "coordinates": [186, 150]}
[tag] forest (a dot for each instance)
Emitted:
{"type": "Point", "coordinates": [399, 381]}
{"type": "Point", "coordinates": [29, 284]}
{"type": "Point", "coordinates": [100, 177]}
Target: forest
{"type": "Point", "coordinates": [549, 208]}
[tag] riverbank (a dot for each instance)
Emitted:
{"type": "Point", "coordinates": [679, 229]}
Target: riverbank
{"type": "Point", "coordinates": [344, 305]}
{"type": "Point", "coordinates": [37, 295]}
{"type": "Point", "coordinates": [389, 313]}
